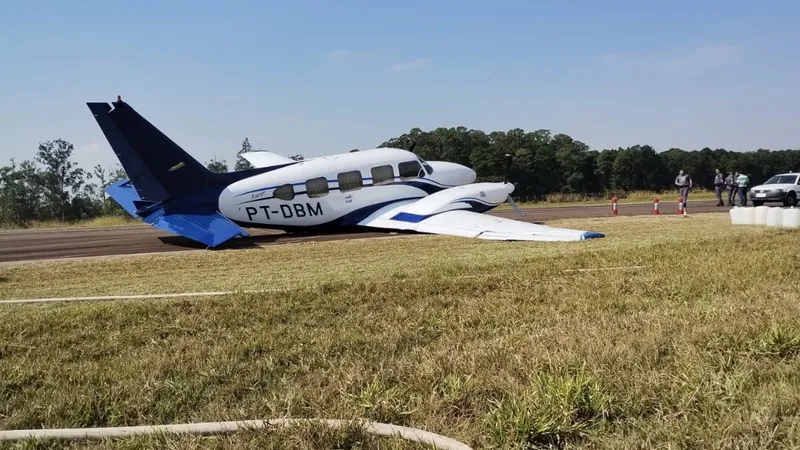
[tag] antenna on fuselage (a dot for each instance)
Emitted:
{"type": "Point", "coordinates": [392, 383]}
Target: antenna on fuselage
{"type": "Point", "coordinates": [413, 144]}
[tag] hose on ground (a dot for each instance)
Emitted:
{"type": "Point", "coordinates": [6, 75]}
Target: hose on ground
{"type": "Point", "coordinates": [376, 428]}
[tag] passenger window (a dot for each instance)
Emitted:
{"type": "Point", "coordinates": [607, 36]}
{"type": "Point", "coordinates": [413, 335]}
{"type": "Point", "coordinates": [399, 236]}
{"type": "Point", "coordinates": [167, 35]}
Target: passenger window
{"type": "Point", "coordinates": [410, 169]}
{"type": "Point", "coordinates": [317, 187]}
{"type": "Point", "coordinates": [350, 181]}
{"type": "Point", "coordinates": [285, 192]}
{"type": "Point", "coordinates": [382, 175]}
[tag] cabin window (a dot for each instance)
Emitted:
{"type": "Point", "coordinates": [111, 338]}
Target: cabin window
{"type": "Point", "coordinates": [285, 192]}
{"type": "Point", "coordinates": [317, 187]}
{"type": "Point", "coordinates": [350, 181]}
{"type": "Point", "coordinates": [382, 175]}
{"type": "Point", "coordinates": [410, 169]}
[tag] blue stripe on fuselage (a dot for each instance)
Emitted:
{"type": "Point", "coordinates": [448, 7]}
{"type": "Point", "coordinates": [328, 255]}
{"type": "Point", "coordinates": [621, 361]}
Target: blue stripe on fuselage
{"type": "Point", "coordinates": [424, 181]}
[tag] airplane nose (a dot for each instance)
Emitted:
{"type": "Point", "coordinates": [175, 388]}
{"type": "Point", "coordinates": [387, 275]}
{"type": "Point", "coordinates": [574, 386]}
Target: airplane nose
{"type": "Point", "coordinates": [471, 175]}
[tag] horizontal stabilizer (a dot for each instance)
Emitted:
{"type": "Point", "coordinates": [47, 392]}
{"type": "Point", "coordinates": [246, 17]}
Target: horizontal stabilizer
{"type": "Point", "coordinates": [124, 193]}
{"type": "Point", "coordinates": [209, 229]}
{"type": "Point", "coordinates": [263, 158]}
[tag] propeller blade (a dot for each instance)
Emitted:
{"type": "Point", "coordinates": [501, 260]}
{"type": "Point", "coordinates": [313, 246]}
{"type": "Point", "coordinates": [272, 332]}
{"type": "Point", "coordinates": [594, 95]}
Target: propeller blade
{"type": "Point", "coordinates": [514, 205]}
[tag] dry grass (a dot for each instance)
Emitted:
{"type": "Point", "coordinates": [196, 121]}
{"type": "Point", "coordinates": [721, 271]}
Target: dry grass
{"type": "Point", "coordinates": [491, 343]}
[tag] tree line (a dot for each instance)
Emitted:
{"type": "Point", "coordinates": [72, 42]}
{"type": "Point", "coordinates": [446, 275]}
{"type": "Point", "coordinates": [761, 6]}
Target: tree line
{"type": "Point", "coordinates": [544, 163]}
{"type": "Point", "coordinates": [51, 186]}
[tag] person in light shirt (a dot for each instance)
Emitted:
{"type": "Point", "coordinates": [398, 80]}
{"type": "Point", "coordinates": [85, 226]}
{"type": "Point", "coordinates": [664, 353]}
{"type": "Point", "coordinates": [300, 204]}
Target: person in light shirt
{"type": "Point", "coordinates": [742, 181]}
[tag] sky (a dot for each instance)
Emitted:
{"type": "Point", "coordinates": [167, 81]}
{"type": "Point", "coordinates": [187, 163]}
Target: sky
{"type": "Point", "coordinates": [321, 77]}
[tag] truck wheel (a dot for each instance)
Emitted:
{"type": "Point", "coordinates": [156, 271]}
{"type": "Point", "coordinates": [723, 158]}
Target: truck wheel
{"type": "Point", "coordinates": [791, 199]}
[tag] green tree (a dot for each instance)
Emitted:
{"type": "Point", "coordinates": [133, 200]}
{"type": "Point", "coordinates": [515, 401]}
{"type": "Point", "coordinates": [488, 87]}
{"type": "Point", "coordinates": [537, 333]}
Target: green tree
{"type": "Point", "coordinates": [241, 163]}
{"type": "Point", "coordinates": [20, 193]}
{"type": "Point", "coordinates": [217, 166]}
{"type": "Point", "coordinates": [61, 176]}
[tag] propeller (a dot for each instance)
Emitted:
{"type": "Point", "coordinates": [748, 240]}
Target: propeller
{"type": "Point", "coordinates": [509, 162]}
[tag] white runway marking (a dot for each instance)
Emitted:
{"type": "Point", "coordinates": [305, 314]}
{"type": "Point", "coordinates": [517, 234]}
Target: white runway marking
{"type": "Point", "coordinates": [219, 293]}
{"type": "Point", "coordinates": [131, 297]}
{"type": "Point", "coordinates": [605, 268]}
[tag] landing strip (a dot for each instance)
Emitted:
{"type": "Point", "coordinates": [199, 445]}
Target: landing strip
{"type": "Point", "coordinates": [28, 245]}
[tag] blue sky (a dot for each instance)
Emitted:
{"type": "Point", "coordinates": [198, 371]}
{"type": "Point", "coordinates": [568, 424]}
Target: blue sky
{"type": "Point", "coordinates": [319, 77]}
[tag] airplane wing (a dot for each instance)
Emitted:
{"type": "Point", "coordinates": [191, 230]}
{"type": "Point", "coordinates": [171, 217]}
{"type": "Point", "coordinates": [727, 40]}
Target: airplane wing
{"type": "Point", "coordinates": [263, 158]}
{"type": "Point", "coordinates": [471, 224]}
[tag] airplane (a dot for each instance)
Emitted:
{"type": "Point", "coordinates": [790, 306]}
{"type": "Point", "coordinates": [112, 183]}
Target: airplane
{"type": "Point", "coordinates": [372, 189]}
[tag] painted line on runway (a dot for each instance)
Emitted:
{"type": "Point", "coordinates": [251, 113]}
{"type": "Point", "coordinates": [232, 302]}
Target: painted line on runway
{"type": "Point", "coordinates": [104, 298]}
{"type": "Point", "coordinates": [598, 269]}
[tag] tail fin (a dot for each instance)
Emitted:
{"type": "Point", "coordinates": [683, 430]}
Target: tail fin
{"type": "Point", "coordinates": [167, 188]}
{"type": "Point", "coordinates": [157, 166]}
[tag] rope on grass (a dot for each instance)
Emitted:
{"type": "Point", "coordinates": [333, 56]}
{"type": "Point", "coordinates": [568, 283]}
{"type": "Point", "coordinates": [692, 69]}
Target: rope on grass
{"type": "Point", "coordinates": [380, 429]}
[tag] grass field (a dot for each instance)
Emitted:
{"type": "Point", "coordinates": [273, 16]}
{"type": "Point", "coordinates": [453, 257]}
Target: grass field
{"type": "Point", "coordinates": [498, 345]}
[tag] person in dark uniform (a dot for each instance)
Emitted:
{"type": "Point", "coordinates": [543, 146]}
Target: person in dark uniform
{"type": "Point", "coordinates": [684, 182]}
{"type": "Point", "coordinates": [719, 186]}
{"type": "Point", "coordinates": [730, 183]}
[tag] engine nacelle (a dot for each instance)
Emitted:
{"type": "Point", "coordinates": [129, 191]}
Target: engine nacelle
{"type": "Point", "coordinates": [478, 197]}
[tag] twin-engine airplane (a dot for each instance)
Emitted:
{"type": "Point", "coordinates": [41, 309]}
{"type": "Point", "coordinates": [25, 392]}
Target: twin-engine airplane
{"type": "Point", "coordinates": [383, 188]}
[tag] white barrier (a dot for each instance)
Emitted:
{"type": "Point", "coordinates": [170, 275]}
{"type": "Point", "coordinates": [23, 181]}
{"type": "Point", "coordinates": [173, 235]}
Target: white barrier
{"type": "Point", "coordinates": [760, 215]}
{"type": "Point", "coordinates": [766, 215]}
{"type": "Point", "coordinates": [791, 218]}
{"type": "Point", "coordinates": [774, 217]}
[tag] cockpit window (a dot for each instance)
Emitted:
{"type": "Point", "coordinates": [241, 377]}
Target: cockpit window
{"type": "Point", "coordinates": [427, 166]}
{"type": "Point", "coordinates": [410, 169]}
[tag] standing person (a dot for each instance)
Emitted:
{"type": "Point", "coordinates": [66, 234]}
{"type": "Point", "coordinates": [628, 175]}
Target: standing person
{"type": "Point", "coordinates": [742, 182]}
{"type": "Point", "coordinates": [730, 183]}
{"type": "Point", "coordinates": [719, 186]}
{"type": "Point", "coordinates": [684, 182]}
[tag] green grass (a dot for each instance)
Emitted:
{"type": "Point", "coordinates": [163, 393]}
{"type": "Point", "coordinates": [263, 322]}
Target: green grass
{"type": "Point", "coordinates": [495, 344]}
{"type": "Point", "coordinates": [97, 222]}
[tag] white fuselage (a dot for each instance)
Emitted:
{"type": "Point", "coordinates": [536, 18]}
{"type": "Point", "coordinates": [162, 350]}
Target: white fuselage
{"type": "Point", "coordinates": [340, 189]}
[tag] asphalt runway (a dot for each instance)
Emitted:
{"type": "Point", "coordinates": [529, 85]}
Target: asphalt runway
{"type": "Point", "coordinates": [36, 245]}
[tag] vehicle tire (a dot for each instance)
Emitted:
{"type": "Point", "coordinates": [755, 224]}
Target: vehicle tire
{"type": "Point", "coordinates": [757, 202]}
{"type": "Point", "coordinates": [791, 199]}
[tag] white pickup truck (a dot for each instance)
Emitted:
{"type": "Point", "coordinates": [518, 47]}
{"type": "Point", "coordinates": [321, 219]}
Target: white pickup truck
{"type": "Point", "coordinates": [784, 187]}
